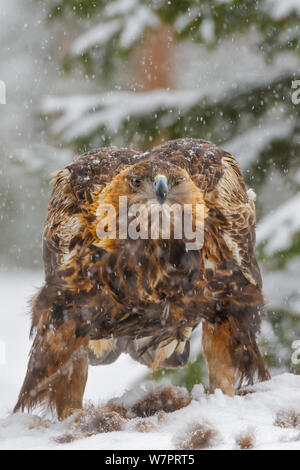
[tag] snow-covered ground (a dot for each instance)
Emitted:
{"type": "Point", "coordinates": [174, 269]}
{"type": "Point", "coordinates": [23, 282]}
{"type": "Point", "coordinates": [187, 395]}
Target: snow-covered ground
{"type": "Point", "coordinates": [226, 419]}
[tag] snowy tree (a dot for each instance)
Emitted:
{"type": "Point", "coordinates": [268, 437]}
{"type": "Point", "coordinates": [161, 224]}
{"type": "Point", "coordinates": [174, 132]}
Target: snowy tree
{"type": "Point", "coordinates": [29, 58]}
{"type": "Point", "coordinates": [220, 70]}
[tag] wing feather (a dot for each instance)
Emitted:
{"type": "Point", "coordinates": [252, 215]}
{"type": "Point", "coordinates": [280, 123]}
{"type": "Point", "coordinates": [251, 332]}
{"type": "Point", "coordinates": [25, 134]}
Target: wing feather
{"type": "Point", "coordinates": [231, 212]}
{"type": "Point", "coordinates": [66, 226]}
{"type": "Point", "coordinates": [240, 220]}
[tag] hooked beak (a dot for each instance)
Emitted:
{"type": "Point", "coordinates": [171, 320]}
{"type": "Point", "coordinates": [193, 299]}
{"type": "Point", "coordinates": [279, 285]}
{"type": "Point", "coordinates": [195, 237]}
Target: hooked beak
{"type": "Point", "coordinates": [161, 188]}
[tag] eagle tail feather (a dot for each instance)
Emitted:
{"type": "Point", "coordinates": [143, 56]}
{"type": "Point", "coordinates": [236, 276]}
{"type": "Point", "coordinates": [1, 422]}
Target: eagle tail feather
{"type": "Point", "coordinates": [57, 371]}
{"type": "Point", "coordinates": [246, 356]}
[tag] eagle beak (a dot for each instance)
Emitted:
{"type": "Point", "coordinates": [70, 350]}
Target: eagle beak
{"type": "Point", "coordinates": [161, 188]}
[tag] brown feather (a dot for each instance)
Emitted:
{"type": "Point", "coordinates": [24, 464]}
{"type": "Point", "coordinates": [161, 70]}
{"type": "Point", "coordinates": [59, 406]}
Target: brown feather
{"type": "Point", "coordinates": [143, 297]}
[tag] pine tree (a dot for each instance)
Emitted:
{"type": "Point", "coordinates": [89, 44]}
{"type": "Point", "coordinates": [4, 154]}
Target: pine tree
{"type": "Point", "coordinates": [254, 118]}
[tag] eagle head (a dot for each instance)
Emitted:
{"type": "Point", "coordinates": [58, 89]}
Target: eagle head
{"type": "Point", "coordinates": [152, 184]}
{"type": "Point", "coordinates": [157, 181]}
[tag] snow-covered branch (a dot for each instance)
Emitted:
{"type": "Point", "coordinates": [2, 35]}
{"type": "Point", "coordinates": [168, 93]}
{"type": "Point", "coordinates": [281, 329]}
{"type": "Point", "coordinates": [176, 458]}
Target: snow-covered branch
{"type": "Point", "coordinates": [81, 115]}
{"type": "Point", "coordinates": [127, 19]}
{"type": "Point", "coordinates": [279, 226]}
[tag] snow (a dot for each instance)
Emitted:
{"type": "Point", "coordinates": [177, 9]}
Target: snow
{"type": "Point", "coordinates": [16, 288]}
{"type": "Point", "coordinates": [248, 145]}
{"type": "Point", "coordinates": [129, 19]}
{"type": "Point", "coordinates": [81, 115]}
{"type": "Point", "coordinates": [214, 76]}
{"type": "Point", "coordinates": [229, 417]}
{"type": "Point", "coordinates": [251, 194]}
{"type": "Point", "coordinates": [120, 7]}
{"type": "Point", "coordinates": [137, 22]}
{"type": "Point", "coordinates": [282, 8]}
{"type": "Point", "coordinates": [281, 287]}
{"type": "Point", "coordinates": [217, 71]}
{"type": "Point", "coordinates": [185, 19]}
{"type": "Point", "coordinates": [279, 226]}
{"type": "Point", "coordinates": [96, 36]}
{"type": "Point", "coordinates": [207, 29]}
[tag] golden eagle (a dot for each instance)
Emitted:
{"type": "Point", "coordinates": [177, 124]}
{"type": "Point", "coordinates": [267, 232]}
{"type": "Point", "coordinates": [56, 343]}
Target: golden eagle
{"type": "Point", "coordinates": [106, 295]}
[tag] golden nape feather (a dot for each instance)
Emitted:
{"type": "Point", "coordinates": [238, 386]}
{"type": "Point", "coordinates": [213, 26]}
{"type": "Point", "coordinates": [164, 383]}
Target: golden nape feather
{"type": "Point", "coordinates": [107, 292]}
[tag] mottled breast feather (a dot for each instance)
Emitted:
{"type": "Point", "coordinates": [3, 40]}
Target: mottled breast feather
{"type": "Point", "coordinates": [106, 295]}
{"type": "Point", "coordinates": [222, 280]}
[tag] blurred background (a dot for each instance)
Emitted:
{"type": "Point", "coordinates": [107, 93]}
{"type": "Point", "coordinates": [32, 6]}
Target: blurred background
{"type": "Point", "coordinates": [82, 74]}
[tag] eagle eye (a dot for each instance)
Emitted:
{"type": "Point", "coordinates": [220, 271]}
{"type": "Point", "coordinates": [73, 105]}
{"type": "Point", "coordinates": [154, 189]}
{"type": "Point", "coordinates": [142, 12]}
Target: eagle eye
{"type": "Point", "coordinates": [135, 181]}
{"type": "Point", "coordinates": [178, 180]}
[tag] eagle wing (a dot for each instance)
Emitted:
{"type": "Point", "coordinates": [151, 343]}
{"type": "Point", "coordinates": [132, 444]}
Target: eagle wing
{"type": "Point", "coordinates": [232, 200]}
{"type": "Point", "coordinates": [231, 272]}
{"type": "Point", "coordinates": [67, 229]}
{"type": "Point", "coordinates": [231, 215]}
{"type": "Point", "coordinates": [66, 225]}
